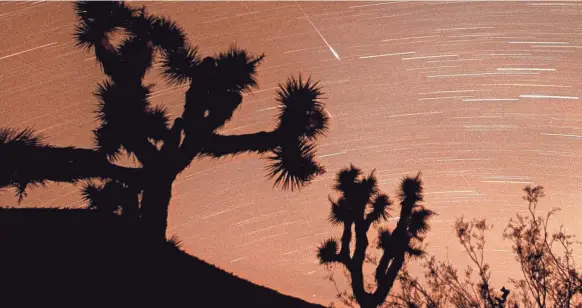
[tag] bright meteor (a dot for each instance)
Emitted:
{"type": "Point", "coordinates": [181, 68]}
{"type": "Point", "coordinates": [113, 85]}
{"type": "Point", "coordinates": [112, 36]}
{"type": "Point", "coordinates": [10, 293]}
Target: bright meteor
{"type": "Point", "coordinates": [335, 54]}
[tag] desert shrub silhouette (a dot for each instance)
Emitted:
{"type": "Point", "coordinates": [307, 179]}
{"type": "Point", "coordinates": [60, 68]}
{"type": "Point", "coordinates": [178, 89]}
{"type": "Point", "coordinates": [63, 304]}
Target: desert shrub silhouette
{"type": "Point", "coordinates": [550, 276]}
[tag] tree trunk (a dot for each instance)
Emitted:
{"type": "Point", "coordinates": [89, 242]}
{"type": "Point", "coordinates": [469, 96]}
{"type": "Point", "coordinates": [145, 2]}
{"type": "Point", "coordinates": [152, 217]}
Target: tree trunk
{"type": "Point", "coordinates": [368, 304]}
{"type": "Point", "coordinates": [154, 207]}
{"type": "Point", "coordinates": [362, 296]}
{"type": "Point", "coordinates": [385, 285]}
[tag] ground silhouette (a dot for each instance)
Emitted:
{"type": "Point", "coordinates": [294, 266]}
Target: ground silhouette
{"type": "Point", "coordinates": [360, 206]}
{"type": "Point", "coordinates": [80, 257]}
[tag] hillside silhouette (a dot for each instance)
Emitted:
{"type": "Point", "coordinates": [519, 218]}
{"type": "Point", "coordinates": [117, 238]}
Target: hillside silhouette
{"type": "Point", "coordinates": [76, 256]}
{"type": "Point", "coordinates": [80, 257]}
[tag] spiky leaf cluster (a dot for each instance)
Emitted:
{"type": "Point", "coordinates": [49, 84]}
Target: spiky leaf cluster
{"type": "Point", "coordinates": [111, 197]}
{"type": "Point", "coordinates": [416, 223]}
{"type": "Point", "coordinates": [16, 146]}
{"type": "Point", "coordinates": [301, 112]}
{"type": "Point", "coordinates": [97, 20]}
{"type": "Point", "coordinates": [294, 165]}
{"type": "Point", "coordinates": [179, 65]}
{"type": "Point", "coordinates": [328, 251]}
{"type": "Point", "coordinates": [360, 199]}
{"type": "Point", "coordinates": [116, 105]}
{"type": "Point", "coordinates": [236, 70]}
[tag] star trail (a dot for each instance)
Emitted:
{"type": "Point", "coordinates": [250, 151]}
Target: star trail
{"type": "Point", "coordinates": [483, 98]}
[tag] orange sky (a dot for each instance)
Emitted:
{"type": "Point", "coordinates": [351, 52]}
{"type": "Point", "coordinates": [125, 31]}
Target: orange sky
{"type": "Point", "coordinates": [483, 98]}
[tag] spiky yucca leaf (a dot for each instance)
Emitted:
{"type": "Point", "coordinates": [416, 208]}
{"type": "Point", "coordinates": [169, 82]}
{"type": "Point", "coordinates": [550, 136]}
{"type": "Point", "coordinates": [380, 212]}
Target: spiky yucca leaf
{"type": "Point", "coordinates": [14, 146]}
{"type": "Point", "coordinates": [370, 184]}
{"type": "Point", "coordinates": [125, 116]}
{"type": "Point", "coordinates": [411, 189]}
{"type": "Point", "coordinates": [236, 69]}
{"type": "Point", "coordinates": [108, 141]}
{"type": "Point", "coordinates": [106, 92]}
{"type": "Point", "coordinates": [88, 34]}
{"type": "Point", "coordinates": [164, 34]}
{"type": "Point", "coordinates": [167, 34]}
{"type": "Point", "coordinates": [109, 197]}
{"type": "Point", "coordinates": [117, 105]}
{"type": "Point", "coordinates": [384, 239]}
{"type": "Point", "coordinates": [140, 24]}
{"type": "Point", "coordinates": [110, 104]}
{"type": "Point", "coordinates": [293, 164]}
{"type": "Point", "coordinates": [418, 224]}
{"type": "Point", "coordinates": [340, 212]}
{"type": "Point", "coordinates": [379, 208]}
{"type": "Point", "coordinates": [346, 178]}
{"type": "Point", "coordinates": [327, 252]}
{"type": "Point", "coordinates": [110, 108]}
{"type": "Point", "coordinates": [358, 191]}
{"type": "Point", "coordinates": [97, 20]}
{"type": "Point", "coordinates": [24, 139]}
{"type": "Point", "coordinates": [156, 126]}
{"type": "Point", "coordinates": [112, 12]}
{"type": "Point", "coordinates": [178, 65]}
{"type": "Point", "coordinates": [21, 187]}
{"type": "Point", "coordinates": [301, 111]}
{"type": "Point", "coordinates": [91, 193]}
{"type": "Point", "coordinates": [135, 59]}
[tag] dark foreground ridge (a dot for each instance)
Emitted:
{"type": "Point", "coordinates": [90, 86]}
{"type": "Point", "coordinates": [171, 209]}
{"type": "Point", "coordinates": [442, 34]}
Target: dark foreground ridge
{"type": "Point", "coordinates": [76, 256]}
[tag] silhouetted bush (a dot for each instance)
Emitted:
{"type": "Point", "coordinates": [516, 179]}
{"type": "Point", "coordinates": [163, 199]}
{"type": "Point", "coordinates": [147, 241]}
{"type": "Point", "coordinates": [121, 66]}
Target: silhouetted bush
{"type": "Point", "coordinates": [550, 276]}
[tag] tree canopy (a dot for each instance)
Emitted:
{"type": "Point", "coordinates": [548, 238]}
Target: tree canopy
{"type": "Point", "coordinates": [130, 125]}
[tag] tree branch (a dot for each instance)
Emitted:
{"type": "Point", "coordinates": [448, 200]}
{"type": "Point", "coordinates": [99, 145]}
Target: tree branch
{"type": "Point", "coordinates": [61, 164]}
{"type": "Point", "coordinates": [358, 262]}
{"type": "Point", "coordinates": [386, 283]}
{"type": "Point", "coordinates": [344, 254]}
{"type": "Point", "coordinates": [260, 142]}
{"type": "Point", "coordinates": [145, 152]}
{"type": "Point", "coordinates": [383, 265]}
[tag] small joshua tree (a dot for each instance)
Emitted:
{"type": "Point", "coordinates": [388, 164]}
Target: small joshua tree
{"type": "Point", "coordinates": [360, 206]}
{"type": "Point", "coordinates": [130, 124]}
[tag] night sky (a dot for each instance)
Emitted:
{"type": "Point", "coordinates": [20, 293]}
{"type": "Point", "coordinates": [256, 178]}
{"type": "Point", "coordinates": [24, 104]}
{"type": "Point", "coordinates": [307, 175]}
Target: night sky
{"type": "Point", "coordinates": [483, 98]}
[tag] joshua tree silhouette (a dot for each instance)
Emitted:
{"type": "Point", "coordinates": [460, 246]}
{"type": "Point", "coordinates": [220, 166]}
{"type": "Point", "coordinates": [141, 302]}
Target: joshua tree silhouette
{"type": "Point", "coordinates": [130, 124]}
{"type": "Point", "coordinates": [360, 205]}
